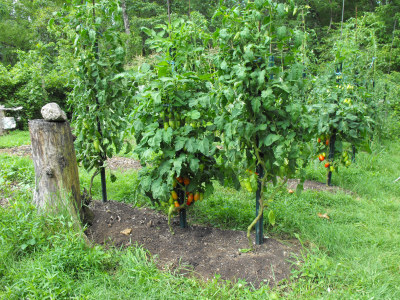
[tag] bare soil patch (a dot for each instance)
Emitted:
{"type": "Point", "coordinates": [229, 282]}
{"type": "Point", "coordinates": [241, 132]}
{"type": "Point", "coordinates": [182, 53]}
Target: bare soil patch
{"type": "Point", "coordinates": [198, 250]}
{"type": "Point", "coordinates": [114, 163]}
{"type": "Point", "coordinates": [4, 202]}
{"type": "Point", "coordinates": [314, 185]}
{"type": "Point", "coordinates": [25, 150]}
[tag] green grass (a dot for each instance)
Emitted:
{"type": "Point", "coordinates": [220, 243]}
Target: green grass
{"type": "Point", "coordinates": [123, 189]}
{"type": "Point", "coordinates": [353, 255]}
{"type": "Point", "coordinates": [15, 138]}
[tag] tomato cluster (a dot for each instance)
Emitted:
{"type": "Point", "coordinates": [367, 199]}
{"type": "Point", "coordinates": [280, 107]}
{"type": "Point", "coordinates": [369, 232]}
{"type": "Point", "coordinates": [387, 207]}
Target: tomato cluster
{"type": "Point", "coordinates": [324, 139]}
{"type": "Point", "coordinates": [323, 145]}
{"type": "Point", "coordinates": [181, 184]}
{"type": "Point", "coordinates": [174, 120]}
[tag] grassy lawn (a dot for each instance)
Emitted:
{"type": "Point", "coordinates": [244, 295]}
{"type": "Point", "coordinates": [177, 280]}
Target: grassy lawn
{"type": "Point", "coordinates": [353, 255]}
{"type": "Point", "coordinates": [15, 138]}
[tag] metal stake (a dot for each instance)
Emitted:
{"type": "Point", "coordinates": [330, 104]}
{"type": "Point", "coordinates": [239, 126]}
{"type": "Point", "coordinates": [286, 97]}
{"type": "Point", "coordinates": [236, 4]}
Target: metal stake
{"type": "Point", "coordinates": [182, 212]}
{"type": "Point", "coordinates": [259, 224]}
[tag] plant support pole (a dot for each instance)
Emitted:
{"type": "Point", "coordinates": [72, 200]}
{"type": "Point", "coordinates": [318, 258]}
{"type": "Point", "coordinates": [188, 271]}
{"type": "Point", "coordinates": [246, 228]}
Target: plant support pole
{"type": "Point", "coordinates": [103, 184]}
{"type": "Point", "coordinates": [331, 156]}
{"type": "Point", "coordinates": [259, 225]}
{"type": "Point", "coordinates": [103, 159]}
{"type": "Point", "coordinates": [182, 212]}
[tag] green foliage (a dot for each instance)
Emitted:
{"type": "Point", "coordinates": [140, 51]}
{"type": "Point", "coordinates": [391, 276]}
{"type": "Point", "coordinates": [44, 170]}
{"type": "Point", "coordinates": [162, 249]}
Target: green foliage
{"type": "Point", "coordinates": [32, 82]}
{"type": "Point", "coordinates": [14, 139]}
{"type": "Point", "coordinates": [43, 256]}
{"type": "Point", "coordinates": [387, 93]}
{"type": "Point", "coordinates": [99, 98]}
{"type": "Point", "coordinates": [174, 114]}
{"type": "Point", "coordinates": [342, 95]}
{"type": "Point", "coordinates": [22, 25]}
{"type": "Point", "coordinates": [150, 14]}
{"type": "Point", "coordinates": [15, 169]}
{"type": "Point", "coordinates": [259, 89]}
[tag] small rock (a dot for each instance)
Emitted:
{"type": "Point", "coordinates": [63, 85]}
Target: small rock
{"type": "Point", "coordinates": [53, 112]}
{"type": "Point", "coordinates": [126, 231]}
{"type": "Point", "coordinates": [150, 223]}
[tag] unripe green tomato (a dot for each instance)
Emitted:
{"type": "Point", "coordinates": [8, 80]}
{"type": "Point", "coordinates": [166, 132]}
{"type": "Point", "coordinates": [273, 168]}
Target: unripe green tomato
{"type": "Point", "coordinates": [247, 185]}
{"type": "Point", "coordinates": [171, 123]}
{"type": "Point", "coordinates": [96, 144]}
{"type": "Point", "coordinates": [201, 197]}
{"type": "Point", "coordinates": [166, 125]}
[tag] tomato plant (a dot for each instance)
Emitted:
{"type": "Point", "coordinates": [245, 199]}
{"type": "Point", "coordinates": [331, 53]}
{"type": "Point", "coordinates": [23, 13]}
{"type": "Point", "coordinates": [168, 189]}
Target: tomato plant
{"type": "Point", "coordinates": [173, 118]}
{"type": "Point", "coordinates": [342, 96]}
{"type": "Point", "coordinates": [343, 111]}
{"type": "Point", "coordinates": [262, 114]}
{"type": "Point", "coordinates": [99, 97]}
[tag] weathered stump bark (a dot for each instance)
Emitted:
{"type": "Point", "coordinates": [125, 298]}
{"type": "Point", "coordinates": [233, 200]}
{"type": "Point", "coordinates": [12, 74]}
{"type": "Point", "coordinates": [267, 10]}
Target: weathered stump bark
{"type": "Point", "coordinates": [57, 187]}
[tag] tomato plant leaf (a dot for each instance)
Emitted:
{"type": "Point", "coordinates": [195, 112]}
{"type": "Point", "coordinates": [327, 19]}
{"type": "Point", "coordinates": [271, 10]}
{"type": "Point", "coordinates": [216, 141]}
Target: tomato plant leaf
{"type": "Point", "coordinates": [270, 139]}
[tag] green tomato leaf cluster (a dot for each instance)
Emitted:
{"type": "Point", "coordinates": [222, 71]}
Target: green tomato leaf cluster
{"type": "Point", "coordinates": [259, 91]}
{"type": "Point", "coordinates": [173, 120]}
{"type": "Point", "coordinates": [100, 95]}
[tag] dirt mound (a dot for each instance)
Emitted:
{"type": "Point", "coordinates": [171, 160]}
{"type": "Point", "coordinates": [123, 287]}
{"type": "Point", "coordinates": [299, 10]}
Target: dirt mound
{"type": "Point", "coordinates": [198, 250]}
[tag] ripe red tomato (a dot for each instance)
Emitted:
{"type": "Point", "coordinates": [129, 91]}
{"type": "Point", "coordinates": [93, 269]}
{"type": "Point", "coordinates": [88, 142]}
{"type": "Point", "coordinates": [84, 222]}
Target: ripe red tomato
{"type": "Point", "coordinates": [319, 140]}
{"type": "Point", "coordinates": [179, 179]}
{"type": "Point", "coordinates": [321, 157]}
{"type": "Point", "coordinates": [190, 197]}
{"type": "Point", "coordinates": [186, 181]}
{"type": "Point", "coordinates": [327, 142]}
{"type": "Point", "coordinates": [176, 204]}
{"type": "Point", "coordinates": [327, 165]}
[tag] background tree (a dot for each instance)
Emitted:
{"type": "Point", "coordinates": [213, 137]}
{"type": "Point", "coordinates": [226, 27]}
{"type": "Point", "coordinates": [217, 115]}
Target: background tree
{"type": "Point", "coordinates": [23, 24]}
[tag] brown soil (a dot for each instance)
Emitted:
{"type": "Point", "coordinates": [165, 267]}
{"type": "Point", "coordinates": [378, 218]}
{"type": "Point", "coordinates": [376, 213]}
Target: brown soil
{"type": "Point", "coordinates": [198, 250]}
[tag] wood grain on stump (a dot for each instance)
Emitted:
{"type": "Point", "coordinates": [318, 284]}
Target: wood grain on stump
{"type": "Point", "coordinates": [57, 188]}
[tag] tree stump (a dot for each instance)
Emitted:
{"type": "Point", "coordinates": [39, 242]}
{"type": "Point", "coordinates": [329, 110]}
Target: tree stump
{"type": "Point", "coordinates": [57, 189]}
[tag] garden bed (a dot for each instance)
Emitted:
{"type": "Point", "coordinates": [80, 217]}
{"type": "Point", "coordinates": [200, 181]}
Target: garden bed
{"type": "Point", "coordinates": [200, 251]}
